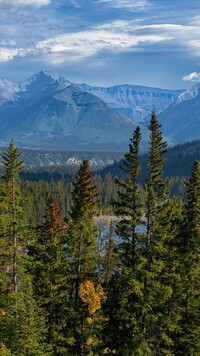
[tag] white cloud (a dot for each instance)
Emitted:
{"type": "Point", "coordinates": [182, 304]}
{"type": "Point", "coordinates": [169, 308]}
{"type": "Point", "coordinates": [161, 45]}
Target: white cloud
{"type": "Point", "coordinates": [15, 3]}
{"type": "Point", "coordinates": [88, 43]}
{"type": "Point", "coordinates": [116, 36]}
{"type": "Point", "coordinates": [7, 54]}
{"type": "Point", "coordinates": [192, 77]}
{"type": "Point", "coordinates": [79, 45]}
{"type": "Point", "coordinates": [129, 4]}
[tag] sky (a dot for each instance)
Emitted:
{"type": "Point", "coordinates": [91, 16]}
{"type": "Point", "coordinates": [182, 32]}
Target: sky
{"type": "Point", "coordinates": [102, 42]}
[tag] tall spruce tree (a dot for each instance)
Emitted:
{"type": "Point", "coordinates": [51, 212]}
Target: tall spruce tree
{"type": "Point", "coordinates": [49, 269]}
{"type": "Point", "coordinates": [189, 248]}
{"type": "Point", "coordinates": [82, 247]}
{"type": "Point", "coordinates": [144, 315]}
{"type": "Point", "coordinates": [13, 165]}
{"type": "Point", "coordinates": [82, 232]}
{"type": "Point", "coordinates": [157, 188]}
{"type": "Point", "coordinates": [128, 205]}
{"type": "Point", "coordinates": [21, 328]}
{"type": "Point", "coordinates": [161, 274]}
{"type": "Point", "coordinates": [125, 304]}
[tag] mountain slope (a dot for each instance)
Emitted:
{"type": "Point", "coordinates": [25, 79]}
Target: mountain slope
{"type": "Point", "coordinates": [179, 162]}
{"type": "Point", "coordinates": [181, 120]}
{"type": "Point", "coordinates": [49, 112]}
{"type": "Point", "coordinates": [134, 101]}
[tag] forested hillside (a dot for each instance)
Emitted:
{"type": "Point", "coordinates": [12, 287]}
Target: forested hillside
{"type": "Point", "coordinates": [67, 287]}
{"type": "Point", "coordinates": [179, 162]}
{"type": "Point", "coordinates": [39, 183]}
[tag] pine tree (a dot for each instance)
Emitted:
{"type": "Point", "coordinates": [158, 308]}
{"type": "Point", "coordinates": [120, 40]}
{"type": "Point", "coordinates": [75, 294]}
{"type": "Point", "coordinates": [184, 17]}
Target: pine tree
{"type": "Point", "coordinates": [128, 204]}
{"type": "Point", "coordinates": [13, 165]}
{"type": "Point", "coordinates": [82, 232]}
{"type": "Point", "coordinates": [189, 249]}
{"type": "Point", "coordinates": [126, 287]}
{"type": "Point", "coordinates": [144, 293]}
{"type": "Point", "coordinates": [160, 317]}
{"type": "Point", "coordinates": [49, 269]}
{"type": "Point", "coordinates": [82, 248]}
{"type": "Point", "coordinates": [21, 328]}
{"type": "Point", "coordinates": [157, 189]}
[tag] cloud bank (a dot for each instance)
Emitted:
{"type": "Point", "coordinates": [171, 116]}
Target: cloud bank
{"type": "Point", "coordinates": [112, 36]}
{"type": "Point", "coordinates": [134, 36]}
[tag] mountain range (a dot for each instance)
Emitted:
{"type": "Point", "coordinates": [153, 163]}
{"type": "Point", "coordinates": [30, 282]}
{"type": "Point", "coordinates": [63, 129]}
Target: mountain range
{"type": "Point", "coordinates": [135, 101]}
{"type": "Point", "coordinates": [47, 111]}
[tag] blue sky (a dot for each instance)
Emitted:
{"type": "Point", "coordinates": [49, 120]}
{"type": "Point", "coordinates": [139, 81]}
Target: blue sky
{"type": "Point", "coordinates": [102, 42]}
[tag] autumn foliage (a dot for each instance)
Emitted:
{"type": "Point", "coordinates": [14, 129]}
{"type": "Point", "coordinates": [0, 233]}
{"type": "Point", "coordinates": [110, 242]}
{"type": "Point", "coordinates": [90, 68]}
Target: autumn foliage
{"type": "Point", "coordinates": [91, 296]}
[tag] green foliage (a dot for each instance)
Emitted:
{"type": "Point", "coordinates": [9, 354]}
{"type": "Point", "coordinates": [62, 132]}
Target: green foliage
{"type": "Point", "coordinates": [126, 314]}
{"type": "Point", "coordinates": [68, 289]}
{"type": "Point", "coordinates": [128, 203]}
{"type": "Point", "coordinates": [156, 186]}
{"type": "Point", "coordinates": [49, 270]}
{"type": "Point", "coordinates": [20, 325]}
{"type": "Point", "coordinates": [82, 233]}
{"type": "Point", "coordinates": [4, 351]}
{"type": "Point", "coordinates": [82, 244]}
{"type": "Point", "coordinates": [189, 246]}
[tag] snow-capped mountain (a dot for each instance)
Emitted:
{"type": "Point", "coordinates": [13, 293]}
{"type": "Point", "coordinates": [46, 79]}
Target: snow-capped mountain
{"type": "Point", "coordinates": [35, 86]}
{"type": "Point", "coordinates": [135, 101]}
{"type": "Point", "coordinates": [8, 91]}
{"type": "Point", "coordinates": [189, 94]}
{"type": "Point", "coordinates": [181, 120]}
{"type": "Point", "coordinates": [49, 112]}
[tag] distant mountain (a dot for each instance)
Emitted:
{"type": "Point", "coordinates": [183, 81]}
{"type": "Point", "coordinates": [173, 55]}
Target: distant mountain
{"type": "Point", "coordinates": [34, 87]}
{"type": "Point", "coordinates": [135, 101]}
{"type": "Point", "coordinates": [49, 112]}
{"type": "Point", "coordinates": [181, 120]}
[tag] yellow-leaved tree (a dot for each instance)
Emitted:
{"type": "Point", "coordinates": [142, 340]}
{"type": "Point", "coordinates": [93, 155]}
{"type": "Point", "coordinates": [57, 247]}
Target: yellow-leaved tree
{"type": "Point", "coordinates": [92, 297]}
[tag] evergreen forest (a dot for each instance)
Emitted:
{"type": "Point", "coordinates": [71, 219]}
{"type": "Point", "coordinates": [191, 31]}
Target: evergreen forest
{"type": "Point", "coordinates": [100, 266]}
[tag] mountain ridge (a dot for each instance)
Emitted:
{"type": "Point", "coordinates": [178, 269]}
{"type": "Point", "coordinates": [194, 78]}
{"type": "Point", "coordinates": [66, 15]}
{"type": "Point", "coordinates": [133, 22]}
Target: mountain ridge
{"type": "Point", "coordinates": [135, 101]}
{"type": "Point", "coordinates": [51, 112]}
{"type": "Point", "coordinates": [47, 111]}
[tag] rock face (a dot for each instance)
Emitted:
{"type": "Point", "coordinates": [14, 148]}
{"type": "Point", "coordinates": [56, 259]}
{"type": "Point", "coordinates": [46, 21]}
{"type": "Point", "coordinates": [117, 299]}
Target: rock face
{"type": "Point", "coordinates": [181, 120]}
{"type": "Point", "coordinates": [135, 101]}
{"type": "Point", "coordinates": [49, 112]}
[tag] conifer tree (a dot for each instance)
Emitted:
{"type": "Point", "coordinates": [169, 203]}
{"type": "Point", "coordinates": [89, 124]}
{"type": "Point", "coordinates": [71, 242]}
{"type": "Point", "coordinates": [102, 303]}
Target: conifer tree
{"type": "Point", "coordinates": [160, 316]}
{"type": "Point", "coordinates": [49, 269]}
{"type": "Point", "coordinates": [82, 233]}
{"type": "Point", "coordinates": [157, 189]}
{"type": "Point", "coordinates": [128, 204]}
{"type": "Point", "coordinates": [13, 165]}
{"type": "Point", "coordinates": [144, 316]}
{"type": "Point", "coordinates": [82, 247]}
{"type": "Point", "coordinates": [21, 328]}
{"type": "Point", "coordinates": [189, 249]}
{"type": "Point", "coordinates": [126, 286]}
